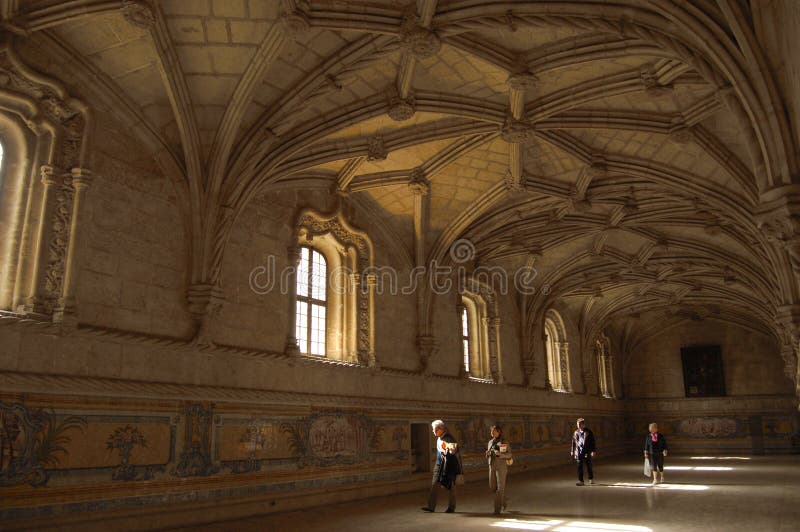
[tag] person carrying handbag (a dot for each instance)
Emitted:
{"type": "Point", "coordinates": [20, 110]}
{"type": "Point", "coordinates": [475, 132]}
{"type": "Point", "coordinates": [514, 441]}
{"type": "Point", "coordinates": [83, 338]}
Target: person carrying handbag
{"type": "Point", "coordinates": [498, 454]}
{"type": "Point", "coordinates": [655, 449]}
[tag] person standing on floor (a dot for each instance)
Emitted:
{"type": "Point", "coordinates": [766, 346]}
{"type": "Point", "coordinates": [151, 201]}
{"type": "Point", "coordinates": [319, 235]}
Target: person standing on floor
{"type": "Point", "coordinates": [447, 467]}
{"type": "Point", "coordinates": [498, 453]}
{"type": "Point", "coordinates": [655, 449]}
{"type": "Point", "coordinates": [583, 450]}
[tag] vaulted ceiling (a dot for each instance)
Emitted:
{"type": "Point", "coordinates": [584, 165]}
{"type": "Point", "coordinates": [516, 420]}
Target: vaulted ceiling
{"type": "Point", "coordinates": [613, 147]}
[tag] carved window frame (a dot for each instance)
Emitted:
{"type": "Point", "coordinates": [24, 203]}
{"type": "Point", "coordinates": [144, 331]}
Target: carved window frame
{"type": "Point", "coordinates": [557, 352]}
{"type": "Point", "coordinates": [479, 301]}
{"type": "Point", "coordinates": [348, 252]}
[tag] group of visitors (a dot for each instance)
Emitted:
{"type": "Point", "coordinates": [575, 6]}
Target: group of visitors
{"type": "Point", "coordinates": [447, 471]}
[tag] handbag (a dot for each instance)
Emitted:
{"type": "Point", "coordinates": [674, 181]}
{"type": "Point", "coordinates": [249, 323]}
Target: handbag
{"type": "Point", "coordinates": [460, 480]}
{"type": "Point", "coordinates": [509, 461]}
{"type": "Point", "coordinates": [646, 467]}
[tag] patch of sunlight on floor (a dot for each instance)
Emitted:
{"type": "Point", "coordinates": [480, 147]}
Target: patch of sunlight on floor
{"type": "Point", "coordinates": [578, 526]}
{"type": "Point", "coordinates": [719, 458]}
{"type": "Point", "coordinates": [684, 487]}
{"type": "Point", "coordinates": [520, 524]}
{"type": "Point", "coordinates": [556, 525]}
{"type": "Point", "coordinates": [698, 468]}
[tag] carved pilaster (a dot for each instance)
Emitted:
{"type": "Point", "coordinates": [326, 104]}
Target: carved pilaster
{"type": "Point", "coordinates": [51, 179]}
{"type": "Point", "coordinates": [292, 348]}
{"type": "Point", "coordinates": [65, 312]}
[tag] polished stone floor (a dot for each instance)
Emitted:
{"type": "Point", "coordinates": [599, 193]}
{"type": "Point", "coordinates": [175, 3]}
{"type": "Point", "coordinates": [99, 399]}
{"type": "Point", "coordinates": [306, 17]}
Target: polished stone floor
{"type": "Point", "coordinates": [747, 493]}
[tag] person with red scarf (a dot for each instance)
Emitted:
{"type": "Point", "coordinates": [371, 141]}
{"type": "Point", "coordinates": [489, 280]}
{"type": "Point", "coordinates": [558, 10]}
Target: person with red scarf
{"type": "Point", "coordinates": [655, 449]}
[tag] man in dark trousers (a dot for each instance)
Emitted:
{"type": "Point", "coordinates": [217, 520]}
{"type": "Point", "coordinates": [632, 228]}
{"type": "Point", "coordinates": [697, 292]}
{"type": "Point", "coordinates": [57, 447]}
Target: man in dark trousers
{"type": "Point", "coordinates": [583, 450]}
{"type": "Point", "coordinates": [447, 467]}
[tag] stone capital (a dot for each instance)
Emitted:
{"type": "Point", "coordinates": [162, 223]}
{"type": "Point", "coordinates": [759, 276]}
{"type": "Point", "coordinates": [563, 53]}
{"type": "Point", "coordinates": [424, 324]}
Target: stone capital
{"type": "Point", "coordinates": [50, 175]}
{"type": "Point", "coordinates": [81, 178]}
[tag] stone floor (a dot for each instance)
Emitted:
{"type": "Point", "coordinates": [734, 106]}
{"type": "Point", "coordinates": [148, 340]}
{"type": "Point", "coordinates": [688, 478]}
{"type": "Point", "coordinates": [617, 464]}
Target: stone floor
{"type": "Point", "coordinates": [748, 493]}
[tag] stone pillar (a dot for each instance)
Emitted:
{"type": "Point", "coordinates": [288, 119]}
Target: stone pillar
{"type": "Point", "coordinates": [292, 348]}
{"type": "Point", "coordinates": [51, 177]}
{"type": "Point", "coordinates": [65, 312]}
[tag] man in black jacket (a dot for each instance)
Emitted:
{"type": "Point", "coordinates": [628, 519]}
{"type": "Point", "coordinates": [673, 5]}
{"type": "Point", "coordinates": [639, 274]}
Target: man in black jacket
{"type": "Point", "coordinates": [447, 467]}
{"type": "Point", "coordinates": [583, 450]}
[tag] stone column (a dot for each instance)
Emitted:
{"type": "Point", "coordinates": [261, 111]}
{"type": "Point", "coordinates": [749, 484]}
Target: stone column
{"type": "Point", "coordinates": [50, 178]}
{"type": "Point", "coordinates": [65, 312]}
{"type": "Point", "coordinates": [495, 362]}
{"type": "Point", "coordinates": [292, 348]}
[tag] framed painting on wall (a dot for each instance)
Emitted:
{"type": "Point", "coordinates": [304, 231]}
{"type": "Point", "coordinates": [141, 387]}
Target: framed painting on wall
{"type": "Point", "coordinates": [702, 371]}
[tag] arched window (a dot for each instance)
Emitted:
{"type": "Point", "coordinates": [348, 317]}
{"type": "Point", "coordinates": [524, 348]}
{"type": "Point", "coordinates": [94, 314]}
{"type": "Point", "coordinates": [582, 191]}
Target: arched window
{"type": "Point", "coordinates": [311, 311]}
{"type": "Point", "coordinates": [332, 307]}
{"type": "Point", "coordinates": [605, 366]}
{"type": "Point", "coordinates": [480, 338]}
{"type": "Point", "coordinates": [557, 349]}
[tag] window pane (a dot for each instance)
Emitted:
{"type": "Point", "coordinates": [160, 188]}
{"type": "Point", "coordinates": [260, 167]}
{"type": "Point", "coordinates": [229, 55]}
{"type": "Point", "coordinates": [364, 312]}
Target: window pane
{"type": "Point", "coordinates": [318, 274]}
{"type": "Point", "coordinates": [302, 273]}
{"type": "Point", "coordinates": [464, 324]}
{"type": "Point", "coordinates": [301, 329]}
{"type": "Point", "coordinates": [317, 330]}
{"type": "Point", "coordinates": [466, 354]}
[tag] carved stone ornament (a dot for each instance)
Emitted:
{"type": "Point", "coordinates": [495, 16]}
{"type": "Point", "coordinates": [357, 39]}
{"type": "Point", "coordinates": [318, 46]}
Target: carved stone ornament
{"type": "Point", "coordinates": [139, 13]}
{"type": "Point", "coordinates": [517, 131]}
{"type": "Point", "coordinates": [401, 109]}
{"type": "Point", "coordinates": [296, 22]}
{"type": "Point", "coordinates": [681, 135]}
{"type": "Point", "coordinates": [651, 84]}
{"type": "Point", "coordinates": [522, 80]}
{"type": "Point", "coordinates": [426, 348]}
{"type": "Point", "coordinates": [377, 149]}
{"type": "Point", "coordinates": [419, 184]}
{"type": "Point", "coordinates": [779, 220]}
{"type": "Point", "coordinates": [512, 183]}
{"type": "Point", "coordinates": [420, 42]}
